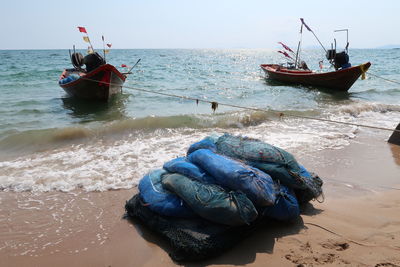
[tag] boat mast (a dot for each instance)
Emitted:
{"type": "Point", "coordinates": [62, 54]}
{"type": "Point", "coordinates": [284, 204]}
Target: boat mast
{"type": "Point", "coordinates": [298, 46]}
{"type": "Point", "coordinates": [309, 29]}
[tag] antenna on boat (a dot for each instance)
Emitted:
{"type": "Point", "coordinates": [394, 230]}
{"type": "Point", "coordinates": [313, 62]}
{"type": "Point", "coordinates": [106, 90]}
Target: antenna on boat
{"type": "Point", "coordinates": [347, 37]}
{"type": "Point", "coordinates": [137, 62]}
{"type": "Point", "coordinates": [334, 39]}
{"type": "Point", "coordinates": [104, 48]}
{"type": "Point", "coordinates": [70, 56]}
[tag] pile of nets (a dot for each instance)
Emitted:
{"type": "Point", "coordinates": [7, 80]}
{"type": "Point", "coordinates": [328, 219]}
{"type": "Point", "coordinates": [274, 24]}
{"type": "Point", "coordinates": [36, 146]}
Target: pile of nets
{"type": "Point", "coordinates": [207, 201]}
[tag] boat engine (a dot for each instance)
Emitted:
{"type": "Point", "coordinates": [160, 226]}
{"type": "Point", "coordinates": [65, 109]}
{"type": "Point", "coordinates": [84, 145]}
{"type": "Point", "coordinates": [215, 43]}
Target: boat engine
{"type": "Point", "coordinates": [93, 61]}
{"type": "Point", "coordinates": [77, 60]}
{"type": "Point", "coordinates": [339, 60]}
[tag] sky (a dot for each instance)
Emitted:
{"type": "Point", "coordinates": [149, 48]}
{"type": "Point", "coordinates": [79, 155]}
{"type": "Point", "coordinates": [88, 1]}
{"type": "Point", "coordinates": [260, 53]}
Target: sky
{"type": "Point", "coordinates": [49, 24]}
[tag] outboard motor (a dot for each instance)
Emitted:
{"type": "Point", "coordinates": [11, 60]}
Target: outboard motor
{"type": "Point", "coordinates": [93, 61]}
{"type": "Point", "coordinates": [342, 60]}
{"type": "Point", "coordinates": [339, 60]}
{"type": "Point", "coordinates": [77, 60]}
{"type": "Point", "coordinates": [330, 54]}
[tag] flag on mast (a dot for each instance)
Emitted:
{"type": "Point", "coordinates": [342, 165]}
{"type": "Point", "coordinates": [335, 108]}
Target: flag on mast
{"type": "Point", "coordinates": [285, 54]}
{"type": "Point", "coordinates": [305, 25]}
{"type": "Point", "coordinates": [82, 29]}
{"type": "Point", "coordinates": [86, 38]}
{"type": "Point", "coordinates": [286, 47]}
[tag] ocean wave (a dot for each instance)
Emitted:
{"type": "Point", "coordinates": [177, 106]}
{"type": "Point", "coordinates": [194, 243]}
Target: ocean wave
{"type": "Point", "coordinates": [118, 154]}
{"type": "Point", "coordinates": [390, 91]}
{"type": "Point", "coordinates": [33, 140]}
{"type": "Point", "coordinates": [100, 165]}
{"type": "Point", "coordinates": [17, 143]}
{"type": "Point", "coordinates": [357, 108]}
{"type": "Point", "coordinates": [36, 140]}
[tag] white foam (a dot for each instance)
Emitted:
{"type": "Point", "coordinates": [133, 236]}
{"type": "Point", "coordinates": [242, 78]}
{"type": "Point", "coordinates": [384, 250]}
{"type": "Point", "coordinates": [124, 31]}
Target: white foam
{"type": "Point", "coordinates": [119, 164]}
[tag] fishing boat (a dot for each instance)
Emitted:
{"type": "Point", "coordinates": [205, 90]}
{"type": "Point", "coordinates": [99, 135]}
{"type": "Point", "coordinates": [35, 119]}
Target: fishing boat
{"type": "Point", "coordinates": [97, 80]}
{"type": "Point", "coordinates": [296, 71]}
{"type": "Point", "coordinates": [338, 80]}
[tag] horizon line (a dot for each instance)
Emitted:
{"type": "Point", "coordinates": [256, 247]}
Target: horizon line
{"type": "Point", "coordinates": [194, 48]}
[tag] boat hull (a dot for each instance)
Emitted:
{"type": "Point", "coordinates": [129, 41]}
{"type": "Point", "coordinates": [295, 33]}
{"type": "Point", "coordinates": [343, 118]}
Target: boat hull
{"type": "Point", "coordinates": [340, 80]}
{"type": "Point", "coordinates": [99, 84]}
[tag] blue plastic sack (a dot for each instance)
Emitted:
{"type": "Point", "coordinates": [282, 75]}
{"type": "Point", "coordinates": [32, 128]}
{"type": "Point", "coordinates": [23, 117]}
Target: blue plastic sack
{"type": "Point", "coordinates": [206, 143]}
{"type": "Point", "coordinates": [286, 207]}
{"type": "Point", "coordinates": [231, 174]}
{"type": "Point", "coordinates": [211, 201]}
{"type": "Point", "coordinates": [159, 200]}
{"type": "Point", "coordinates": [69, 79]}
{"type": "Point", "coordinates": [278, 163]}
{"type": "Point", "coordinates": [184, 167]}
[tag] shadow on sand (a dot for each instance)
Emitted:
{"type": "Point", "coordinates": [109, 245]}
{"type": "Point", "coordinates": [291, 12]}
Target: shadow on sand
{"type": "Point", "coordinates": [261, 239]}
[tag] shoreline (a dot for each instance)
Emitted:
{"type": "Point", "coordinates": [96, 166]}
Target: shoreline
{"type": "Point", "coordinates": [362, 208]}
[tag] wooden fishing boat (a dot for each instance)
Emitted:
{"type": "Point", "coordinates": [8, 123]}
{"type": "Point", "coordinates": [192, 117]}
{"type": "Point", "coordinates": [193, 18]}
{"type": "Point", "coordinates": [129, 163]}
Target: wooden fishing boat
{"type": "Point", "coordinates": [97, 80]}
{"type": "Point", "coordinates": [98, 84]}
{"type": "Point", "coordinates": [340, 80]}
{"type": "Point", "coordinates": [296, 70]}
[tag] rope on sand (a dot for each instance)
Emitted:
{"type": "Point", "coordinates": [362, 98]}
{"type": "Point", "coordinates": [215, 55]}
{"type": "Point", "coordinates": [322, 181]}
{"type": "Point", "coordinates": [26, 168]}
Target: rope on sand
{"type": "Point", "coordinates": [215, 104]}
{"type": "Point", "coordinates": [350, 240]}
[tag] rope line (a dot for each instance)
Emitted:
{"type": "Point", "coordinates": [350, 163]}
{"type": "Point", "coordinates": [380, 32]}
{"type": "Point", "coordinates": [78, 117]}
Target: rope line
{"type": "Point", "coordinates": [377, 76]}
{"type": "Point", "coordinates": [350, 240]}
{"type": "Point", "coordinates": [215, 104]}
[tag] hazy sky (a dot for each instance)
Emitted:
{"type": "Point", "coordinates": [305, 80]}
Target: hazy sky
{"type": "Point", "coordinates": [46, 24]}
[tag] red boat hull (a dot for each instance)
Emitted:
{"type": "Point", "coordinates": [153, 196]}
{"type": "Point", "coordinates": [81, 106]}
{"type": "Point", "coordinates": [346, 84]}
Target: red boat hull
{"type": "Point", "coordinates": [340, 80]}
{"type": "Point", "coordinates": [99, 84]}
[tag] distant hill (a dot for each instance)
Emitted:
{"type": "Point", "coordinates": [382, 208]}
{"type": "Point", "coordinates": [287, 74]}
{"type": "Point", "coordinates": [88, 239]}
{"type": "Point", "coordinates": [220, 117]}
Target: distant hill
{"type": "Point", "coordinates": [388, 46]}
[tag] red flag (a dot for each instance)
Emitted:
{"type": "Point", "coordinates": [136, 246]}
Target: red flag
{"type": "Point", "coordinates": [286, 47]}
{"type": "Point", "coordinates": [305, 25]}
{"type": "Point", "coordinates": [285, 54]}
{"type": "Point", "coordinates": [82, 29]}
{"type": "Point", "coordinates": [124, 66]}
{"type": "Point", "coordinates": [109, 45]}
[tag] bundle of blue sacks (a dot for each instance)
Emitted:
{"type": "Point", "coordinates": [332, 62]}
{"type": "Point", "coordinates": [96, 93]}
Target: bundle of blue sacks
{"type": "Point", "coordinates": [230, 180]}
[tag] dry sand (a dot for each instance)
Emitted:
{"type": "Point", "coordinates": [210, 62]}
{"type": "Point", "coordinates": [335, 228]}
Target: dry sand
{"type": "Point", "coordinates": [357, 225]}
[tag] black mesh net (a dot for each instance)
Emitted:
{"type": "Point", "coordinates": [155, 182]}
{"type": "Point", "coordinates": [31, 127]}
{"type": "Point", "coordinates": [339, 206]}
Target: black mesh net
{"type": "Point", "coordinates": [190, 239]}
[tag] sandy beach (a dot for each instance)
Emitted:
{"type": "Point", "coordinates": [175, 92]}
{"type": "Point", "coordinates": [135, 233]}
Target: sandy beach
{"type": "Point", "coordinates": [358, 224]}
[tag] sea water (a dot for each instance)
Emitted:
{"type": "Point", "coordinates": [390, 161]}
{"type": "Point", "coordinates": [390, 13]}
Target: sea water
{"type": "Point", "coordinates": [50, 141]}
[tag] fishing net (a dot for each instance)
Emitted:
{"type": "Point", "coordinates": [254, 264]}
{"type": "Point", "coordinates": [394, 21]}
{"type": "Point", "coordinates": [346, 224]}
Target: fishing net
{"type": "Point", "coordinates": [278, 163]}
{"type": "Point", "coordinates": [231, 174]}
{"type": "Point", "coordinates": [205, 203]}
{"type": "Point", "coordinates": [211, 201]}
{"type": "Point", "coordinates": [160, 200]}
{"type": "Point", "coordinates": [312, 189]}
{"type": "Point", "coordinates": [190, 239]}
{"type": "Point", "coordinates": [286, 207]}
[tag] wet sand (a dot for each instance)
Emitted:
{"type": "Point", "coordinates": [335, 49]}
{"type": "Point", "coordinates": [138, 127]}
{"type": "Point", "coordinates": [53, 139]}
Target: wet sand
{"type": "Point", "coordinates": [357, 225]}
